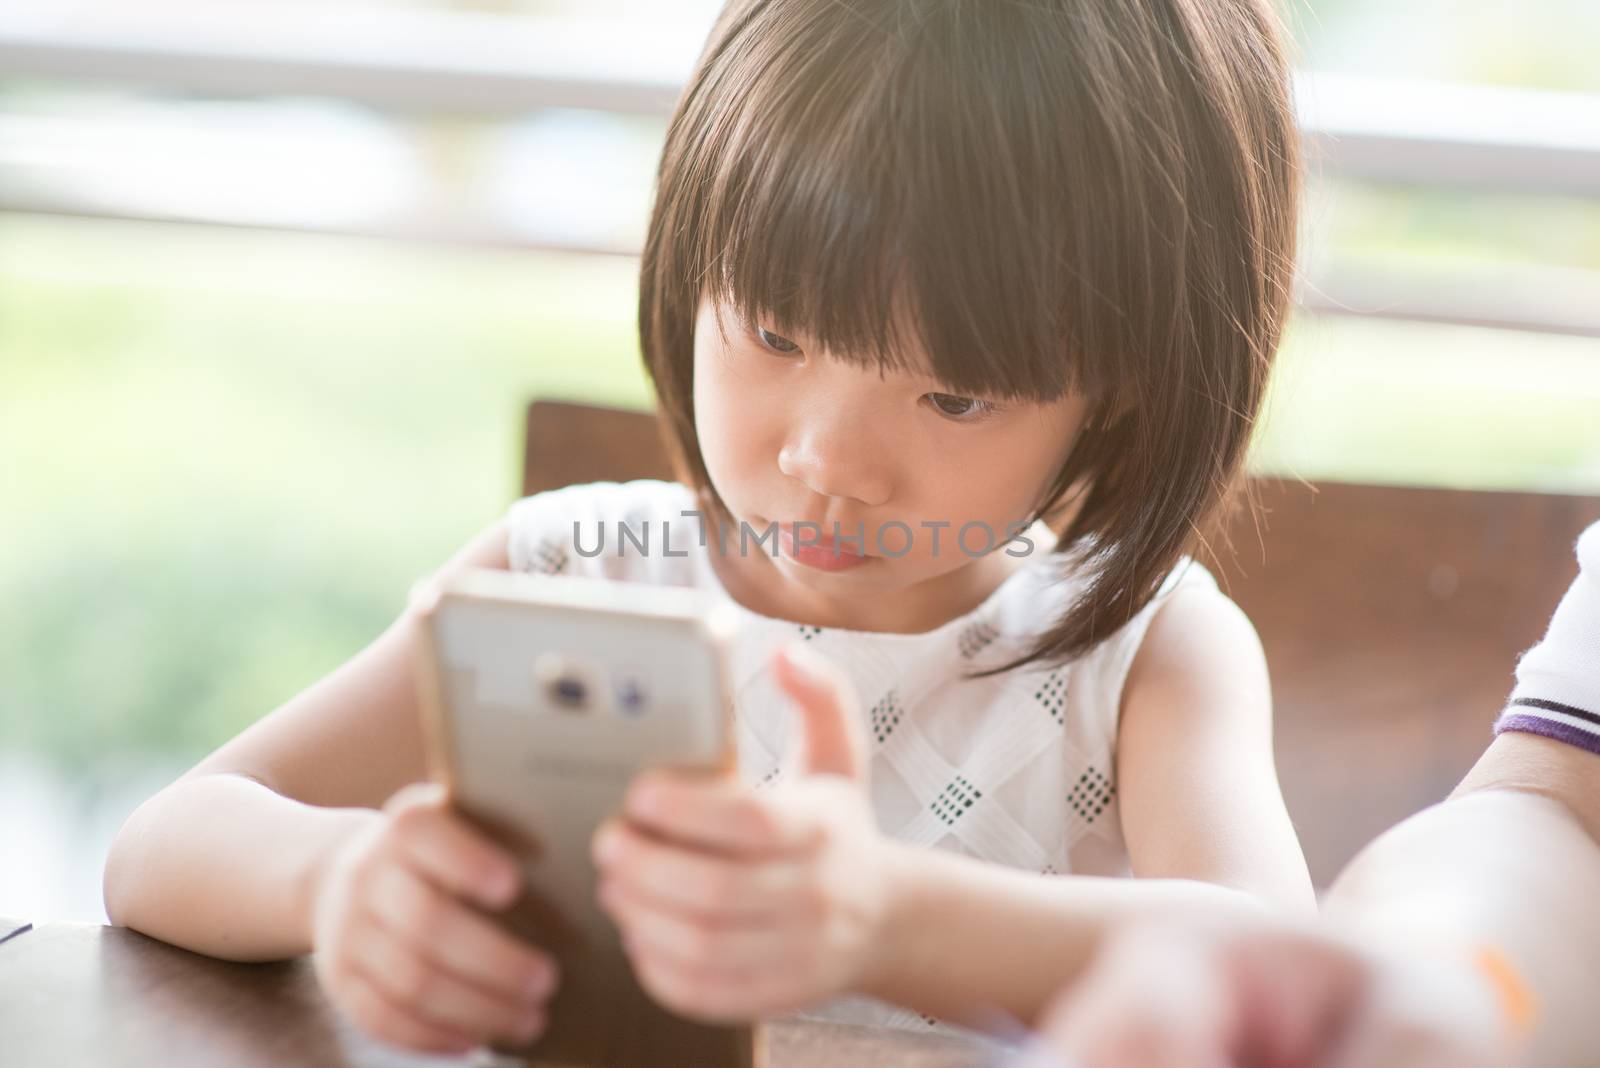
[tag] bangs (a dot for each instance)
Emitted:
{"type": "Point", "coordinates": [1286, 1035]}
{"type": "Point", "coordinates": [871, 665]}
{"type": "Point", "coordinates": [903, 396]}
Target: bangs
{"type": "Point", "coordinates": [873, 207]}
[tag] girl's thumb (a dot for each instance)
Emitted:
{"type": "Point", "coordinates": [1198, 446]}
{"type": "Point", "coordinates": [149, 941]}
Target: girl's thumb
{"type": "Point", "coordinates": [832, 739]}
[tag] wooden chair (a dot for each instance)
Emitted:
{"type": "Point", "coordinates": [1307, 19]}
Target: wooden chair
{"type": "Point", "coordinates": [1392, 617]}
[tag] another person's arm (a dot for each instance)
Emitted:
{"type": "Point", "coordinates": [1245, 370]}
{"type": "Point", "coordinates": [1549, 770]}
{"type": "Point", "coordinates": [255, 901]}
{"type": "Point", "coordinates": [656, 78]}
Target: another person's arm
{"type": "Point", "coordinates": [1462, 938]}
{"type": "Point", "coordinates": [1508, 867]}
{"type": "Point", "coordinates": [1512, 861]}
{"type": "Point", "coordinates": [1466, 923]}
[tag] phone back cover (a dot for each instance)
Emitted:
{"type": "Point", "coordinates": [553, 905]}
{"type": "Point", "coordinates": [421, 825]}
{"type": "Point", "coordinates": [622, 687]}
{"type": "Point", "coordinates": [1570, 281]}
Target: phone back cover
{"type": "Point", "coordinates": [542, 778]}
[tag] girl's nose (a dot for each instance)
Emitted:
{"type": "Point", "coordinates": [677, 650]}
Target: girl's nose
{"type": "Point", "coordinates": [834, 458]}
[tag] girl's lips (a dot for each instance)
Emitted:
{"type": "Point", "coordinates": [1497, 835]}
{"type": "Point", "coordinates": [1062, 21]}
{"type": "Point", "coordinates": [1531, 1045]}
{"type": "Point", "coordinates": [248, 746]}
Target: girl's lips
{"type": "Point", "coordinates": [820, 553]}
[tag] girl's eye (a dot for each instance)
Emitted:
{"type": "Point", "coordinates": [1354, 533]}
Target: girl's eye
{"type": "Point", "coordinates": [775, 342]}
{"type": "Point", "coordinates": [964, 409]}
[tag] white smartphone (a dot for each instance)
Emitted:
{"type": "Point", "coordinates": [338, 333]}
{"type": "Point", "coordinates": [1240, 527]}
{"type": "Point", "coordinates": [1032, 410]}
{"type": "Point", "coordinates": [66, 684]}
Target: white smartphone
{"type": "Point", "coordinates": [542, 697]}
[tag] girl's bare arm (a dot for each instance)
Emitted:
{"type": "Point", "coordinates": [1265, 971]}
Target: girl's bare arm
{"type": "Point", "coordinates": [989, 946]}
{"type": "Point", "coordinates": [1197, 783]}
{"type": "Point", "coordinates": [1201, 811]}
{"type": "Point", "coordinates": [223, 861]}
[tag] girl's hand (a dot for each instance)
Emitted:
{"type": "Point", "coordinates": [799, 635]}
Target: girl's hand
{"type": "Point", "coordinates": [1181, 996]}
{"type": "Point", "coordinates": [734, 904]}
{"type": "Point", "coordinates": [399, 949]}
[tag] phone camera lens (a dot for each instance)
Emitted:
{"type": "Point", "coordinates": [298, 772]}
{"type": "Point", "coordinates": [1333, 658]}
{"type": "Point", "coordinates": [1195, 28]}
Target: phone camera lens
{"type": "Point", "coordinates": [569, 691]}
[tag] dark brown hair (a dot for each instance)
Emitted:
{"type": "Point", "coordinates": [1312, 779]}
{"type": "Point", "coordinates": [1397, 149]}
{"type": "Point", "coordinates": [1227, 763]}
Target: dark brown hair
{"type": "Point", "coordinates": [1059, 195]}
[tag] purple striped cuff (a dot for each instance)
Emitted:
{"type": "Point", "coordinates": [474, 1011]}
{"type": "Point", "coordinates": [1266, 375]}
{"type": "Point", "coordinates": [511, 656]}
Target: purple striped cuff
{"type": "Point", "coordinates": [1532, 723]}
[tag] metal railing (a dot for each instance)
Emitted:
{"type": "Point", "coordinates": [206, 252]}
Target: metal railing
{"type": "Point", "coordinates": [1534, 142]}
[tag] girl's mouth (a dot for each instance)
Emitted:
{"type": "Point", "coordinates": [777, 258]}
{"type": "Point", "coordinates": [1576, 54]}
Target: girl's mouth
{"type": "Point", "coordinates": [819, 551]}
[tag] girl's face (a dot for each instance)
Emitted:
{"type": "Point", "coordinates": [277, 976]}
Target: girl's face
{"type": "Point", "coordinates": [791, 435]}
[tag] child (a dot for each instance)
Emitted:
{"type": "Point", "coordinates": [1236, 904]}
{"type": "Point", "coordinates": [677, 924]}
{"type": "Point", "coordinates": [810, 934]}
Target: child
{"type": "Point", "coordinates": [927, 284]}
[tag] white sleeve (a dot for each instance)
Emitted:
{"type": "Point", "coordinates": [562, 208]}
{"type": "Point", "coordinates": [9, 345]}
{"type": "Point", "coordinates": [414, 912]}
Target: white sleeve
{"type": "Point", "coordinates": [1558, 681]}
{"type": "Point", "coordinates": [637, 531]}
{"type": "Point", "coordinates": [542, 527]}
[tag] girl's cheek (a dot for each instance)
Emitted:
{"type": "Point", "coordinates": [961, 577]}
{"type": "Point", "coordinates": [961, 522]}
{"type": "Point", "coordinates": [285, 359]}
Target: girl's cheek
{"type": "Point", "coordinates": [719, 412]}
{"type": "Point", "coordinates": [737, 446]}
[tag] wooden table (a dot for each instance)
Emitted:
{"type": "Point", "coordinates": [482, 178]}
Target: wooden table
{"type": "Point", "coordinates": [79, 994]}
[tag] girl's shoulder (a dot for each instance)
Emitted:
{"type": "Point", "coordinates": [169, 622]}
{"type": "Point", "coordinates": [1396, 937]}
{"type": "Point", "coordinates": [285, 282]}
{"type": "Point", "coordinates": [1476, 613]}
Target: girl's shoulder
{"type": "Point", "coordinates": [631, 531]}
{"type": "Point", "coordinates": [1122, 645]}
{"type": "Point", "coordinates": [1100, 674]}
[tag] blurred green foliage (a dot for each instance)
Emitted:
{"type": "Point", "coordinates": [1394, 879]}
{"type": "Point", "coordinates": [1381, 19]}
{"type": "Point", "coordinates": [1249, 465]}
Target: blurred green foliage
{"type": "Point", "coordinates": [1546, 44]}
{"type": "Point", "coordinates": [228, 455]}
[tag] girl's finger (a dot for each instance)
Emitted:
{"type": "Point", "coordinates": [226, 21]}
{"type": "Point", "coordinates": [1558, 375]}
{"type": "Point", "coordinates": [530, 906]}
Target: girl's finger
{"type": "Point", "coordinates": [720, 815]}
{"type": "Point", "coordinates": [700, 993]}
{"type": "Point", "coordinates": [388, 1022]}
{"type": "Point", "coordinates": [833, 738]}
{"type": "Point", "coordinates": [456, 939]}
{"type": "Point", "coordinates": [696, 942]}
{"type": "Point", "coordinates": [697, 883]}
{"type": "Point", "coordinates": [453, 855]}
{"type": "Point", "coordinates": [411, 982]}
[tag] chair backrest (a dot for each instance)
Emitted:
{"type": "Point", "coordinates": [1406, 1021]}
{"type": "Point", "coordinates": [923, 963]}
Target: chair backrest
{"type": "Point", "coordinates": [566, 443]}
{"type": "Point", "coordinates": [1392, 617]}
